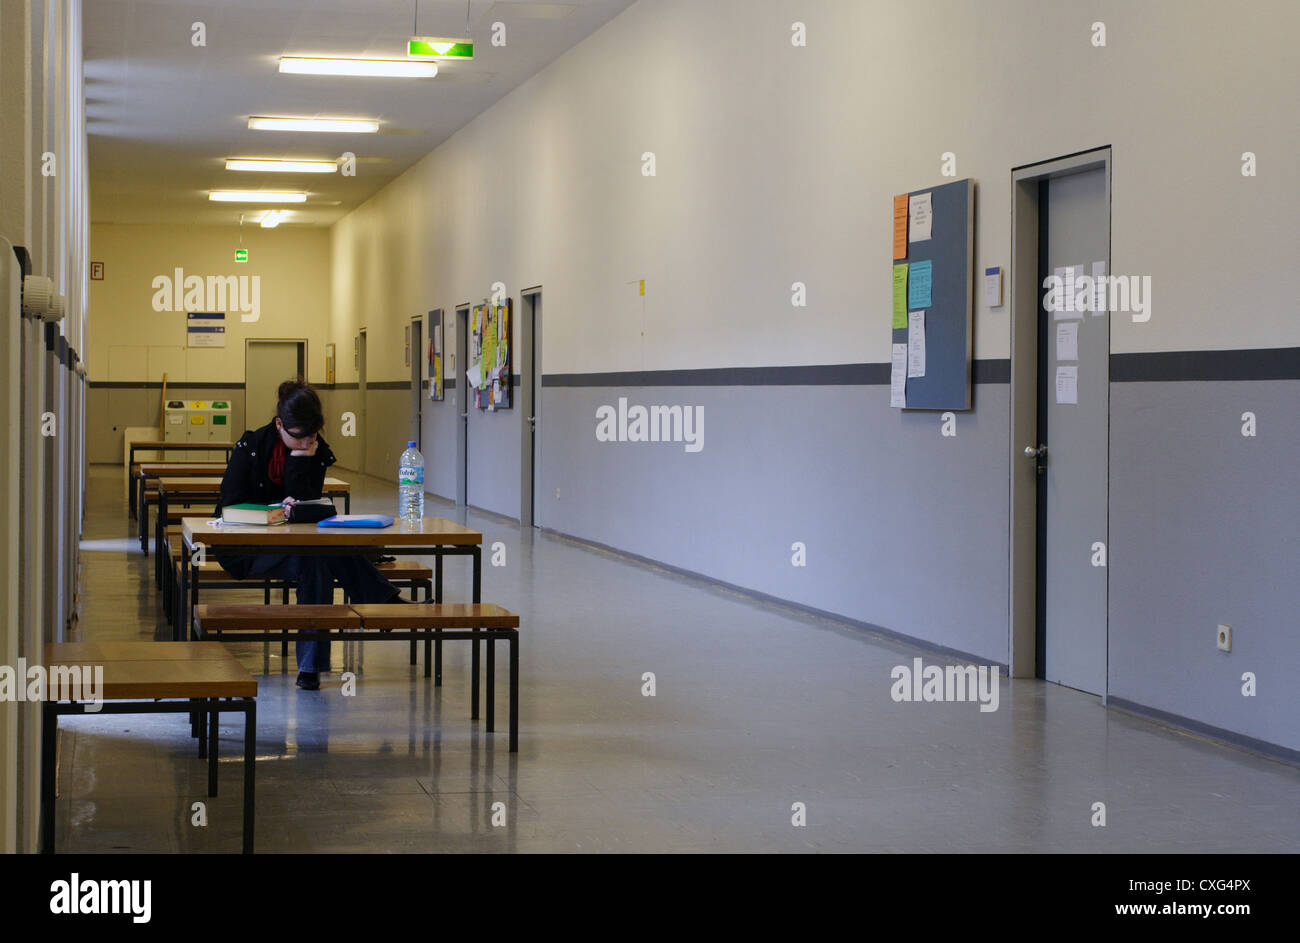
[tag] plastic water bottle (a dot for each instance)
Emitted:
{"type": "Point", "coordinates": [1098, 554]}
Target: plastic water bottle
{"type": "Point", "coordinates": [410, 485]}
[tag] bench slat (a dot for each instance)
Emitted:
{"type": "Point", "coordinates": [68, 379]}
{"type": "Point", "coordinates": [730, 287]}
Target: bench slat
{"type": "Point", "coordinates": [258, 618]}
{"type": "Point", "coordinates": [435, 616]}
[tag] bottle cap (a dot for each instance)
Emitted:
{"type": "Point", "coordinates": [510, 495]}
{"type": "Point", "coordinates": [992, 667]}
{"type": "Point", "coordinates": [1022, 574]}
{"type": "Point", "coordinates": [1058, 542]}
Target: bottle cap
{"type": "Point", "coordinates": [411, 444]}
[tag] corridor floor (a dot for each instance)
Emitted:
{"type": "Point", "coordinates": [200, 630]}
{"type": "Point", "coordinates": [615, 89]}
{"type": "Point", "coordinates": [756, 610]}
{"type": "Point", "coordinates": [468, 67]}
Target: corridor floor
{"type": "Point", "coordinates": [759, 715]}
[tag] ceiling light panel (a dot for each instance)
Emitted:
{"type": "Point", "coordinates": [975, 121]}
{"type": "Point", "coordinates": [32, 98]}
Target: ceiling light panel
{"type": "Point", "coordinates": [268, 165]}
{"type": "Point", "coordinates": [291, 123]}
{"type": "Point", "coordinates": [386, 68]}
{"type": "Point", "coordinates": [257, 196]}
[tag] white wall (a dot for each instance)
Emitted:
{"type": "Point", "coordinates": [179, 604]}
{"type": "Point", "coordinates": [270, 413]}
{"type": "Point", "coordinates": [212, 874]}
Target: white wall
{"type": "Point", "coordinates": [777, 164]}
{"type": "Point", "coordinates": [130, 341]}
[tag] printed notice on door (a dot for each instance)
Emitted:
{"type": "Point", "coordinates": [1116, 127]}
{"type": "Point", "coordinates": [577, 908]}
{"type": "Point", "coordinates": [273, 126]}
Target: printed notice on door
{"type": "Point", "coordinates": [1067, 385]}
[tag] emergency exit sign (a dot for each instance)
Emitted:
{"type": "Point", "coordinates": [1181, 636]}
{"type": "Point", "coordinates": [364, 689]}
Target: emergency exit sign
{"type": "Point", "coordinates": [241, 255]}
{"type": "Point", "coordinates": [434, 47]}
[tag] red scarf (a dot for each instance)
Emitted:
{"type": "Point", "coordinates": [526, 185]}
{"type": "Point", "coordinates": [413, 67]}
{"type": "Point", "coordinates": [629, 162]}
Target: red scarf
{"type": "Point", "coordinates": [275, 468]}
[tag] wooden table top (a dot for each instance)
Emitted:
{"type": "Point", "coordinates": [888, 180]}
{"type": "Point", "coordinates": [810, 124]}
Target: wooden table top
{"type": "Point", "coordinates": [145, 670]}
{"type": "Point", "coordinates": [213, 485]}
{"type": "Point", "coordinates": [180, 469]}
{"type": "Point", "coordinates": [432, 531]}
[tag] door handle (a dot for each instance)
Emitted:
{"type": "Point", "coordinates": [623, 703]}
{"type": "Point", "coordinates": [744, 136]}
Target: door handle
{"type": "Point", "coordinates": [1031, 452]}
{"type": "Point", "coordinates": [532, 421]}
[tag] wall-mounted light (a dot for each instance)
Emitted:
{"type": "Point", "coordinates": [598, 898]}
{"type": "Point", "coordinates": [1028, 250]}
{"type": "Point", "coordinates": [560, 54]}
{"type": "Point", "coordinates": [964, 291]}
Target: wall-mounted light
{"type": "Point", "coordinates": [282, 166]}
{"type": "Point", "coordinates": [384, 68]}
{"type": "Point", "coordinates": [294, 123]}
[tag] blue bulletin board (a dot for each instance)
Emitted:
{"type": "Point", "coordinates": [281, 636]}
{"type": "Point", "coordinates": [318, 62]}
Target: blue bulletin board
{"type": "Point", "coordinates": [950, 250]}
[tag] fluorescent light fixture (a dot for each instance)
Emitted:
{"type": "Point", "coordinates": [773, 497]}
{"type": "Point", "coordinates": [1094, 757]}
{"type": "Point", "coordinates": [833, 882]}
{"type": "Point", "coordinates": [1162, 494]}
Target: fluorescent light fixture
{"type": "Point", "coordinates": [439, 47]}
{"type": "Point", "coordinates": [390, 68]}
{"type": "Point", "coordinates": [282, 166]}
{"type": "Point", "coordinates": [257, 196]}
{"type": "Point", "coordinates": [357, 125]}
{"type": "Point", "coordinates": [274, 218]}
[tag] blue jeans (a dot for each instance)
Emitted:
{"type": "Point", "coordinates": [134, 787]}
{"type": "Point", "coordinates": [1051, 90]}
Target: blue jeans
{"type": "Point", "coordinates": [315, 577]}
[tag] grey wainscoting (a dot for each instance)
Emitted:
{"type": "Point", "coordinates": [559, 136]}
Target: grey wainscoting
{"type": "Point", "coordinates": [1205, 529]}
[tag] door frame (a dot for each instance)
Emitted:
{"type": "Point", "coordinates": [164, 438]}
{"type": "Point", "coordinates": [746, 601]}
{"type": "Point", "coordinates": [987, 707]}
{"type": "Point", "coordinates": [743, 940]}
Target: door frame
{"type": "Point", "coordinates": [1024, 307]}
{"type": "Point", "coordinates": [530, 403]}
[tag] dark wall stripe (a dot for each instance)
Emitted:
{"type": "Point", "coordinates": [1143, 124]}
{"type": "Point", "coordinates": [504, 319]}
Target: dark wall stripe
{"type": "Point", "coordinates": [157, 385]}
{"type": "Point", "coordinates": [1277, 363]}
{"type": "Point", "coordinates": [840, 374]}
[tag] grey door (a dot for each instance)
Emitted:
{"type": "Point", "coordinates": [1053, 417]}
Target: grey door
{"type": "Point", "coordinates": [267, 364]}
{"type": "Point", "coordinates": [1074, 227]}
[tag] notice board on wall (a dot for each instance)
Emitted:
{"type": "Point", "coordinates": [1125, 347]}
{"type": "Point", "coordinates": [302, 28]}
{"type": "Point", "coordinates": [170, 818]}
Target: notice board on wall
{"type": "Point", "coordinates": [939, 282]}
{"type": "Point", "coordinates": [491, 355]}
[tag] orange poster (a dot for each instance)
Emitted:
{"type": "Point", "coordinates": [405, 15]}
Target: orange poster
{"type": "Point", "coordinates": [900, 226]}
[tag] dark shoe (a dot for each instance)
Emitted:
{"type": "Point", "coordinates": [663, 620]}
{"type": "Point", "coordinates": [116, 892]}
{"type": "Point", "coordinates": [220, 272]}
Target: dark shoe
{"type": "Point", "coordinates": [399, 598]}
{"type": "Point", "coordinates": [309, 680]}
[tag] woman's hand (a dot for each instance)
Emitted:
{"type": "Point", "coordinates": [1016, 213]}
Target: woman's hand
{"type": "Point", "coordinates": [310, 450]}
{"type": "Point", "coordinates": [289, 502]}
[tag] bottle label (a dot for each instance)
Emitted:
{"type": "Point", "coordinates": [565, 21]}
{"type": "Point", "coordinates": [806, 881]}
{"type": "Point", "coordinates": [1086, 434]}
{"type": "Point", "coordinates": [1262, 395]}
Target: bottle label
{"type": "Point", "coordinates": [411, 477]}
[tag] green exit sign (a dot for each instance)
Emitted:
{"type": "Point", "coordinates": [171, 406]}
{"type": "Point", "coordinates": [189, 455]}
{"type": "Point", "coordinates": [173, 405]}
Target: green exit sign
{"type": "Point", "coordinates": [241, 255]}
{"type": "Point", "coordinates": [433, 47]}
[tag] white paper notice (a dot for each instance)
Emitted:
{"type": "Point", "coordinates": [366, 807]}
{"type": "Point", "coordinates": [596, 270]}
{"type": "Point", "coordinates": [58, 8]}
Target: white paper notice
{"type": "Point", "coordinates": [898, 377]}
{"type": "Point", "coordinates": [474, 375]}
{"type": "Point", "coordinates": [1067, 340]}
{"type": "Point", "coordinates": [919, 217]}
{"type": "Point", "coordinates": [916, 343]}
{"type": "Point", "coordinates": [1099, 288]}
{"type": "Point", "coordinates": [1067, 385]}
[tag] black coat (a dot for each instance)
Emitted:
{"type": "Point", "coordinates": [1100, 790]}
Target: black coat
{"type": "Point", "coordinates": [246, 480]}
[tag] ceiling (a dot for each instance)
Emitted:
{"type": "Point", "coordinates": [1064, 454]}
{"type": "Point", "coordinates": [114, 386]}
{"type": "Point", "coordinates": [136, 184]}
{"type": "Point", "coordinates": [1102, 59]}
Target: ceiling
{"type": "Point", "coordinates": [163, 114]}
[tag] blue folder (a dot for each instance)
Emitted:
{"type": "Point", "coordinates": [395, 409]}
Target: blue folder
{"type": "Point", "coordinates": [356, 520]}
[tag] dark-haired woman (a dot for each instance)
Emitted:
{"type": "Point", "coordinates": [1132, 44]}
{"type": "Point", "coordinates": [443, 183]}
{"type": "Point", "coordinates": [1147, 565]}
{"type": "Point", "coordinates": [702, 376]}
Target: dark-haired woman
{"type": "Point", "coordinates": [285, 460]}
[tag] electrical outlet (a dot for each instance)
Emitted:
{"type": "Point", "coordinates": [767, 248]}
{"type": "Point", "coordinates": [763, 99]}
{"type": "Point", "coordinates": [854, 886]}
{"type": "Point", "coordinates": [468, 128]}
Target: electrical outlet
{"type": "Point", "coordinates": [557, 494]}
{"type": "Point", "coordinates": [1224, 638]}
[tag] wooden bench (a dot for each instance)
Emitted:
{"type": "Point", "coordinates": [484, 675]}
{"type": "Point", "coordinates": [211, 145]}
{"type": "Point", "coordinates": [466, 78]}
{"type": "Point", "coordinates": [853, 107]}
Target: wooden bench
{"type": "Point", "coordinates": [149, 678]}
{"type": "Point", "coordinates": [397, 621]}
{"type": "Point", "coordinates": [404, 574]}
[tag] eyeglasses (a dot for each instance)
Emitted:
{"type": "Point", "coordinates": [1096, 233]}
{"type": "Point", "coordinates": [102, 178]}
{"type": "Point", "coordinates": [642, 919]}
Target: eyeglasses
{"type": "Point", "coordinates": [298, 435]}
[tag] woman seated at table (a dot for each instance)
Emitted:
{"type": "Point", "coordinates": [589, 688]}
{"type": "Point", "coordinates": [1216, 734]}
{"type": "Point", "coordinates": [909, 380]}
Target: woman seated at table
{"type": "Point", "coordinates": [285, 460]}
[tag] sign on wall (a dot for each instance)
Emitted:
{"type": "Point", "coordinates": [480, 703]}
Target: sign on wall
{"type": "Point", "coordinates": [205, 329]}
